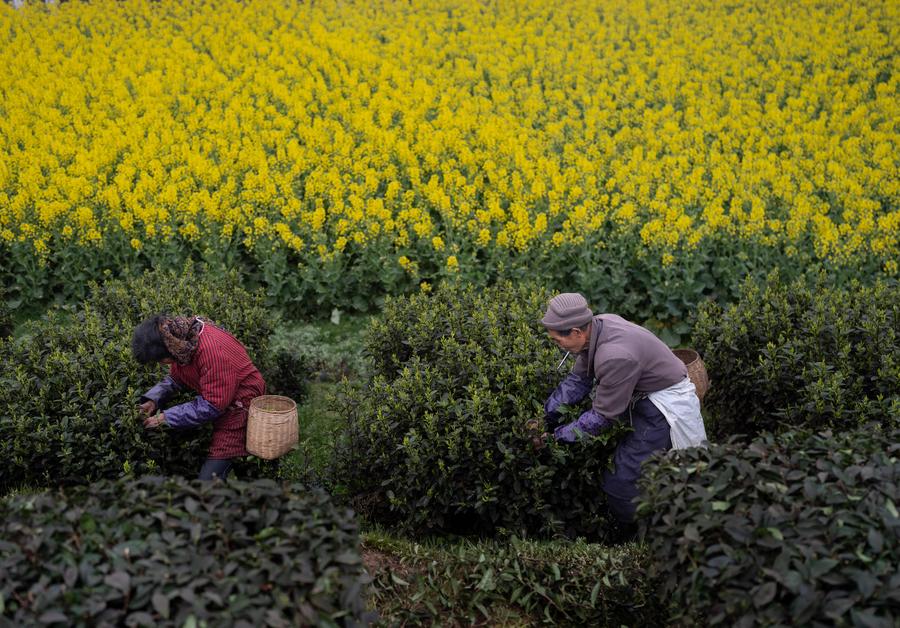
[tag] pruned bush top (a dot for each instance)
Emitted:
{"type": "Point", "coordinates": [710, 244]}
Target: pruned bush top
{"type": "Point", "coordinates": [155, 552]}
{"type": "Point", "coordinates": [69, 389]}
{"type": "Point", "coordinates": [793, 529]}
{"type": "Point", "coordinates": [802, 354]}
{"type": "Point", "coordinates": [436, 441]}
{"type": "Point", "coordinates": [123, 303]}
{"type": "Point", "coordinates": [513, 583]}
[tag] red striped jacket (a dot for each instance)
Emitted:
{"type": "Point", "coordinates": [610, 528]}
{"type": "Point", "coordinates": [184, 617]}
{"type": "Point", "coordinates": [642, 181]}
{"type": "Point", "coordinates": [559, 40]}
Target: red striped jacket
{"type": "Point", "coordinates": [223, 374]}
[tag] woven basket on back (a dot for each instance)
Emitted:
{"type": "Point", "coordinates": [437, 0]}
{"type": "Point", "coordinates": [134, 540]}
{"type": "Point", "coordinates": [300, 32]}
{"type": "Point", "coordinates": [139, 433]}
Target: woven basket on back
{"type": "Point", "coordinates": [272, 429]}
{"type": "Point", "coordinates": [696, 370]}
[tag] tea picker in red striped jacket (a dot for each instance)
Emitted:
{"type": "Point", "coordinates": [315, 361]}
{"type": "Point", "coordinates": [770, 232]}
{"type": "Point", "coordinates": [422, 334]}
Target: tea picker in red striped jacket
{"type": "Point", "coordinates": [208, 360]}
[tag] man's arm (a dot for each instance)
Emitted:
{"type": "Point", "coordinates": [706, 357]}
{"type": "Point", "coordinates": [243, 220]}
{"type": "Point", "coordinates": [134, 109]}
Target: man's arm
{"type": "Point", "coordinates": [590, 422]}
{"type": "Point", "coordinates": [571, 390]}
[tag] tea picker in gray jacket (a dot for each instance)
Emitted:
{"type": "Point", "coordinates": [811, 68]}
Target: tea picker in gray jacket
{"type": "Point", "coordinates": [637, 378]}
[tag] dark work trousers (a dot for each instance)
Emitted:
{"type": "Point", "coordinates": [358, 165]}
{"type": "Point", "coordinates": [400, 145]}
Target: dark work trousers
{"type": "Point", "coordinates": [651, 434]}
{"type": "Point", "coordinates": [217, 468]}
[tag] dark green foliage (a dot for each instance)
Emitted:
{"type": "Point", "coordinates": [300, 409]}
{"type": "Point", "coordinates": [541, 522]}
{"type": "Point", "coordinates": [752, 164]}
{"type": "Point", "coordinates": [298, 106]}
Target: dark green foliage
{"type": "Point", "coordinates": [70, 388]}
{"type": "Point", "coordinates": [802, 355]}
{"type": "Point", "coordinates": [513, 583]}
{"type": "Point", "coordinates": [123, 303]}
{"type": "Point", "coordinates": [6, 321]}
{"type": "Point", "coordinates": [155, 552]}
{"type": "Point", "coordinates": [287, 373]}
{"type": "Point", "coordinates": [437, 440]}
{"type": "Point", "coordinates": [788, 530]}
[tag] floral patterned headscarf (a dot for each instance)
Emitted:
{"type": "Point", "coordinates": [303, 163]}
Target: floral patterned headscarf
{"type": "Point", "coordinates": [181, 335]}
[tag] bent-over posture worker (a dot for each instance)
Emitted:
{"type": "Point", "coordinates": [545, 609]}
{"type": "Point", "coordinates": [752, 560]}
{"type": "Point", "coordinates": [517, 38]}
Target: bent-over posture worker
{"type": "Point", "coordinates": [637, 377]}
{"type": "Point", "coordinates": [211, 362]}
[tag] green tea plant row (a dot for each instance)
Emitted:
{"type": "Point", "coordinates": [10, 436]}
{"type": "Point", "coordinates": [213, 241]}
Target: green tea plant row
{"type": "Point", "coordinates": [514, 582]}
{"type": "Point", "coordinates": [166, 552]}
{"type": "Point", "coordinates": [71, 386]}
{"type": "Point", "coordinates": [799, 529]}
{"type": "Point", "coordinates": [800, 353]}
{"type": "Point", "coordinates": [436, 441]}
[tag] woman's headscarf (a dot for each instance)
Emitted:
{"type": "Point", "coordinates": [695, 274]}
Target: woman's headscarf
{"type": "Point", "coordinates": [181, 335]}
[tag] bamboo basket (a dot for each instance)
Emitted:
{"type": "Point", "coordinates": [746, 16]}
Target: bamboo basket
{"type": "Point", "coordinates": [696, 370]}
{"type": "Point", "coordinates": [272, 429]}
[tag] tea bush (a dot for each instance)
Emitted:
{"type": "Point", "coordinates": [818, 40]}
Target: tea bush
{"type": "Point", "coordinates": [513, 583]}
{"type": "Point", "coordinates": [165, 552]}
{"type": "Point", "coordinates": [6, 320]}
{"type": "Point", "coordinates": [797, 354]}
{"type": "Point", "coordinates": [71, 387]}
{"type": "Point", "coordinates": [287, 373]}
{"type": "Point", "coordinates": [790, 530]}
{"type": "Point", "coordinates": [123, 303]}
{"type": "Point", "coordinates": [436, 442]}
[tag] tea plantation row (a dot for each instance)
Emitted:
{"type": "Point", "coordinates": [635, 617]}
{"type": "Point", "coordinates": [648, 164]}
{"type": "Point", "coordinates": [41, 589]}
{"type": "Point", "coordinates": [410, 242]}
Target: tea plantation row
{"type": "Point", "coordinates": [434, 442]}
{"type": "Point", "coordinates": [165, 552]}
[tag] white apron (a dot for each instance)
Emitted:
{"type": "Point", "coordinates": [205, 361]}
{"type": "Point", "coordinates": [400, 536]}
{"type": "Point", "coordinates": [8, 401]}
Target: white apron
{"type": "Point", "coordinates": [681, 407]}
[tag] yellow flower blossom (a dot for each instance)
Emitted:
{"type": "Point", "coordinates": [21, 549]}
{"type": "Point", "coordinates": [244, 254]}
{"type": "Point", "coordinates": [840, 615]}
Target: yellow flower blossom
{"type": "Point", "coordinates": [374, 137]}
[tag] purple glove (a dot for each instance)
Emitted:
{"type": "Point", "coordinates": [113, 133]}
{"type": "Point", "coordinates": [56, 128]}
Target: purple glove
{"type": "Point", "coordinates": [192, 414]}
{"type": "Point", "coordinates": [591, 422]}
{"type": "Point", "coordinates": [571, 390]}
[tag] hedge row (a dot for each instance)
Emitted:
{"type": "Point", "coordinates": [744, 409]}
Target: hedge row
{"type": "Point", "coordinates": [792, 529]}
{"type": "Point", "coordinates": [6, 320]}
{"type": "Point", "coordinates": [70, 388]}
{"type": "Point", "coordinates": [802, 354]}
{"type": "Point", "coordinates": [510, 583]}
{"type": "Point", "coordinates": [218, 297]}
{"type": "Point", "coordinates": [166, 552]}
{"type": "Point", "coordinates": [436, 442]}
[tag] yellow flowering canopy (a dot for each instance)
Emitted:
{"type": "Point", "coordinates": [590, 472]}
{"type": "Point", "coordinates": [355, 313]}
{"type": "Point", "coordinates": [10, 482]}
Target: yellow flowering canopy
{"type": "Point", "coordinates": [460, 125]}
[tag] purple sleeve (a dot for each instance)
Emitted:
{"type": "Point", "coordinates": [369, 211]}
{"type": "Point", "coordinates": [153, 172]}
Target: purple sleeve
{"type": "Point", "coordinates": [162, 391]}
{"type": "Point", "coordinates": [591, 422]}
{"type": "Point", "coordinates": [571, 390]}
{"type": "Point", "coordinates": [192, 414]}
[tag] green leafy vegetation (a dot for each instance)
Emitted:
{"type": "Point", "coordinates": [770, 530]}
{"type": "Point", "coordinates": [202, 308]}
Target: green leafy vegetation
{"type": "Point", "coordinates": [71, 389]}
{"type": "Point", "coordinates": [514, 583]}
{"type": "Point", "coordinates": [436, 441]}
{"type": "Point", "coordinates": [802, 354]}
{"type": "Point", "coordinates": [166, 552]}
{"type": "Point", "coordinates": [789, 530]}
{"type": "Point", "coordinates": [6, 318]}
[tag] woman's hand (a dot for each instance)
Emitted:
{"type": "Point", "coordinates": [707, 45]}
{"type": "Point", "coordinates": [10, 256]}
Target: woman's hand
{"type": "Point", "coordinates": [148, 407]}
{"type": "Point", "coordinates": [539, 442]}
{"type": "Point", "coordinates": [155, 421]}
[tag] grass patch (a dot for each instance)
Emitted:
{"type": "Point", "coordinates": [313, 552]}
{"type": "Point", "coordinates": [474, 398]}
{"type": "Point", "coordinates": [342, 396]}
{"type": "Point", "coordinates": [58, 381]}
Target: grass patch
{"type": "Point", "coordinates": [318, 428]}
{"type": "Point", "coordinates": [333, 350]}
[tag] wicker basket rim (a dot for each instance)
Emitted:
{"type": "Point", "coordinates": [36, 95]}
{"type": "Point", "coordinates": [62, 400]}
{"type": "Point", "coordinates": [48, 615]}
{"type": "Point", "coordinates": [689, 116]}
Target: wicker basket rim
{"type": "Point", "coordinates": [258, 402]}
{"type": "Point", "coordinates": [686, 355]}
